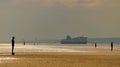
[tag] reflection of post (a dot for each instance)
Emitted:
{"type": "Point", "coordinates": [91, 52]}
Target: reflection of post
{"type": "Point", "coordinates": [95, 45]}
{"type": "Point", "coordinates": [111, 46]}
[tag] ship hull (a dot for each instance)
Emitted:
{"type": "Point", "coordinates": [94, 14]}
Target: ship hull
{"type": "Point", "coordinates": [73, 42]}
{"type": "Point", "coordinates": [62, 42]}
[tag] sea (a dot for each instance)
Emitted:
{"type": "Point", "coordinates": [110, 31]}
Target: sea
{"type": "Point", "coordinates": [103, 44]}
{"type": "Point", "coordinates": [90, 42]}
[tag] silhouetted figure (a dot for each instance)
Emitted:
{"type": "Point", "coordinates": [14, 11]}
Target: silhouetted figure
{"type": "Point", "coordinates": [34, 43]}
{"type": "Point", "coordinates": [95, 45]}
{"type": "Point", "coordinates": [13, 42]}
{"type": "Point", "coordinates": [24, 43]}
{"type": "Point", "coordinates": [111, 46]}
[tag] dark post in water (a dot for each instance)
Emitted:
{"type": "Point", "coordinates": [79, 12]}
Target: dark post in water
{"type": "Point", "coordinates": [111, 46]}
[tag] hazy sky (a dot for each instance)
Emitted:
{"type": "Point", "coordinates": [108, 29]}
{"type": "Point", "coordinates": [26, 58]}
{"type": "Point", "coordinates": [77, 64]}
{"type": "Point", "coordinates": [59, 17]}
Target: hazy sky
{"type": "Point", "coordinates": [54, 19]}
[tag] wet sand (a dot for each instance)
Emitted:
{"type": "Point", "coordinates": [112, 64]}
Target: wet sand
{"type": "Point", "coordinates": [60, 59]}
{"type": "Point", "coordinates": [58, 56]}
{"type": "Point", "coordinates": [57, 48]}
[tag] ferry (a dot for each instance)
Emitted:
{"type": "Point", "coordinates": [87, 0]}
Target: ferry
{"type": "Point", "coordinates": [76, 40]}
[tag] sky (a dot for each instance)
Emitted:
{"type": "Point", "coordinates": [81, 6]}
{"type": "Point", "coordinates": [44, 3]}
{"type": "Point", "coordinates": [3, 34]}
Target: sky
{"type": "Point", "coordinates": [55, 19]}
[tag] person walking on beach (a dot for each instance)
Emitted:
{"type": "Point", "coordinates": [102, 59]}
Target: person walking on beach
{"type": "Point", "coordinates": [13, 42]}
{"type": "Point", "coordinates": [111, 46]}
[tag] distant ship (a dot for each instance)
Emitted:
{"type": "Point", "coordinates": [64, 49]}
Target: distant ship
{"type": "Point", "coordinates": [76, 40]}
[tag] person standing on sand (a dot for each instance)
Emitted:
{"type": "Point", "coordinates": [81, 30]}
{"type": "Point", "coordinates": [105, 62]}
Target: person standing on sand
{"type": "Point", "coordinates": [13, 42]}
{"type": "Point", "coordinates": [95, 45]}
{"type": "Point", "coordinates": [24, 43]}
{"type": "Point", "coordinates": [111, 46]}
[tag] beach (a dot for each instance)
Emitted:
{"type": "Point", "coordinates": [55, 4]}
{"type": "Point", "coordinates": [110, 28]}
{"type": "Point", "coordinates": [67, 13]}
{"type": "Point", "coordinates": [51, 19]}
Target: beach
{"type": "Point", "coordinates": [60, 59]}
{"type": "Point", "coordinates": [58, 56]}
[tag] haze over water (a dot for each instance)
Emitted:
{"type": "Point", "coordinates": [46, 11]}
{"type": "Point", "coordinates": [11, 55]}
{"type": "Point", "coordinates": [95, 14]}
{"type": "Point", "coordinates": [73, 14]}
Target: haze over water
{"type": "Point", "coordinates": [54, 19]}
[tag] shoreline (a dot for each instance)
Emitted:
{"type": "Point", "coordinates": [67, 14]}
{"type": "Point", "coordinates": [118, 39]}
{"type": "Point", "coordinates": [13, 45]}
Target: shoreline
{"type": "Point", "coordinates": [57, 48]}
